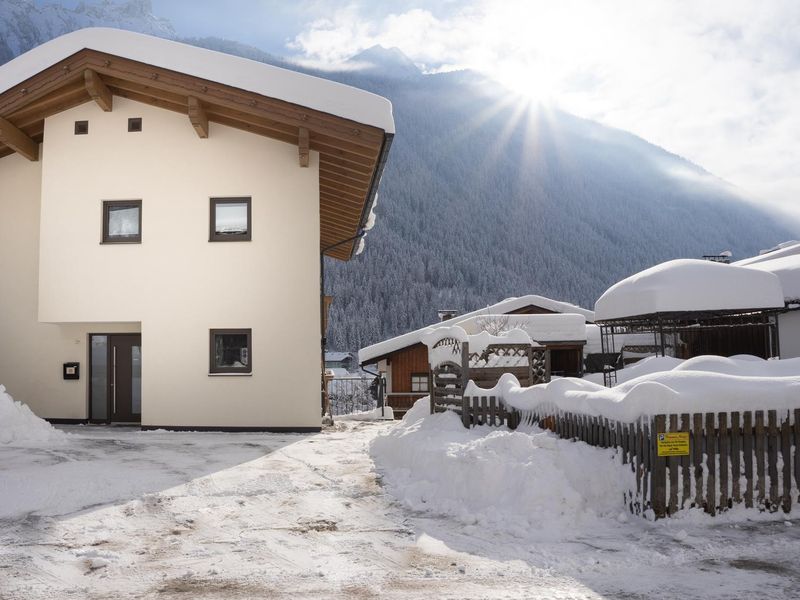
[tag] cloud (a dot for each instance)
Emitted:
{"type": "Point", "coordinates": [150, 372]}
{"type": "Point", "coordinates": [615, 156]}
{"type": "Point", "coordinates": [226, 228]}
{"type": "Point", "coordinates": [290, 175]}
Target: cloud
{"type": "Point", "coordinates": [716, 82]}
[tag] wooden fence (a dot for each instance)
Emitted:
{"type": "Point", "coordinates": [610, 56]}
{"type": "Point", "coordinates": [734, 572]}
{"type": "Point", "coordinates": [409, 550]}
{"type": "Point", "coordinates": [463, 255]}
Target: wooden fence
{"type": "Point", "coordinates": [732, 458]}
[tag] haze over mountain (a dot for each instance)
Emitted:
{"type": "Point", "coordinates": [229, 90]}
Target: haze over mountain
{"type": "Point", "coordinates": [484, 196]}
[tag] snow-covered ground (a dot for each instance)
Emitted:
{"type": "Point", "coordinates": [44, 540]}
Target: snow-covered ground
{"type": "Point", "coordinates": [119, 513]}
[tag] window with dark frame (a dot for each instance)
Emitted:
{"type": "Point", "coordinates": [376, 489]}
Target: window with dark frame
{"type": "Point", "coordinates": [135, 124]}
{"type": "Point", "coordinates": [122, 221]}
{"type": "Point", "coordinates": [231, 351]}
{"type": "Point", "coordinates": [230, 220]}
{"type": "Point", "coordinates": [81, 127]}
{"type": "Point", "coordinates": [419, 382]}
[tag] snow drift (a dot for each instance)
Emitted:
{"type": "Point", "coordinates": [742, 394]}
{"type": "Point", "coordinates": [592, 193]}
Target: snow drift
{"type": "Point", "coordinates": [525, 480]}
{"type": "Point", "coordinates": [18, 424]}
{"type": "Point", "coordinates": [701, 384]}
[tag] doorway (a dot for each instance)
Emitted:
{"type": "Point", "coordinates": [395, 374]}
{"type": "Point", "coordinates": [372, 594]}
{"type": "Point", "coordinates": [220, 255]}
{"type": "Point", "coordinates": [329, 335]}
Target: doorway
{"type": "Point", "coordinates": [115, 391]}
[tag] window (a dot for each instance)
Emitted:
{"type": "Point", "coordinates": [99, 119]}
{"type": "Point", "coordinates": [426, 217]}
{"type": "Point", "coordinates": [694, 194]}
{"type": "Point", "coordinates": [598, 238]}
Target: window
{"type": "Point", "coordinates": [230, 220]}
{"type": "Point", "coordinates": [419, 382]}
{"type": "Point", "coordinates": [135, 124]}
{"type": "Point", "coordinates": [231, 351]}
{"type": "Point", "coordinates": [122, 221]}
{"type": "Point", "coordinates": [81, 127]}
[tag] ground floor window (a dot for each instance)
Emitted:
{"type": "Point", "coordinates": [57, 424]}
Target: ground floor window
{"type": "Point", "coordinates": [231, 351]}
{"type": "Point", "coordinates": [419, 382]}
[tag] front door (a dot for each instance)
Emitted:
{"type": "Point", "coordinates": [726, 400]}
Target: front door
{"type": "Point", "coordinates": [125, 378]}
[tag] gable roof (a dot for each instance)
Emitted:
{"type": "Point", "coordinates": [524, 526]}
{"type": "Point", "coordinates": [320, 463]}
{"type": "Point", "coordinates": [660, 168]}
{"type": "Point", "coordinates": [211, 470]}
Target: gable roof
{"type": "Point", "coordinates": [350, 128]}
{"type": "Point", "coordinates": [377, 351]}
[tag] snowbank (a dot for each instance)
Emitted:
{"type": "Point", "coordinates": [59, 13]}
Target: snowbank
{"type": "Point", "coordinates": [18, 424]}
{"type": "Point", "coordinates": [651, 364]}
{"type": "Point", "coordinates": [514, 481]}
{"type": "Point", "coordinates": [689, 285]}
{"type": "Point", "coordinates": [701, 384]}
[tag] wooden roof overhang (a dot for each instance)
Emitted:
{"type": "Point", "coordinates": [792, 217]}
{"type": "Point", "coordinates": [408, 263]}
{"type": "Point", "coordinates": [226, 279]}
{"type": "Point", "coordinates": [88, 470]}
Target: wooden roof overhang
{"type": "Point", "coordinates": [351, 154]}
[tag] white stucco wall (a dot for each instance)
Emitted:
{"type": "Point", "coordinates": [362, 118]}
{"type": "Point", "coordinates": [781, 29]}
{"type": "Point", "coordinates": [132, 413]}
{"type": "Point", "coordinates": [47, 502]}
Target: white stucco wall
{"type": "Point", "coordinates": [31, 353]}
{"type": "Point", "coordinates": [789, 332]}
{"type": "Point", "coordinates": [177, 283]}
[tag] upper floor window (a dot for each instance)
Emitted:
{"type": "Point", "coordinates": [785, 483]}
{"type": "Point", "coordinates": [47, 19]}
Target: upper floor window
{"type": "Point", "coordinates": [122, 221]}
{"type": "Point", "coordinates": [230, 220]}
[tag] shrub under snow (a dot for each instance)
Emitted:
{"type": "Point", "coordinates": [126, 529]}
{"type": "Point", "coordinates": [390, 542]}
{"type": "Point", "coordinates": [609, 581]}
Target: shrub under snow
{"type": "Point", "coordinates": [18, 424]}
{"type": "Point", "coordinates": [509, 480]}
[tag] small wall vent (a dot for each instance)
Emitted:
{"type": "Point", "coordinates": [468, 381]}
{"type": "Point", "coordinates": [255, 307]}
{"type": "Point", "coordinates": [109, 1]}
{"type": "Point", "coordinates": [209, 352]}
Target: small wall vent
{"type": "Point", "coordinates": [135, 124]}
{"type": "Point", "coordinates": [81, 127]}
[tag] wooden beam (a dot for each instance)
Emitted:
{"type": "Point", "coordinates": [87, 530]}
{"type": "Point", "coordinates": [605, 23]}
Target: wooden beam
{"type": "Point", "coordinates": [98, 90]}
{"type": "Point", "coordinates": [17, 140]}
{"type": "Point", "coordinates": [198, 117]}
{"type": "Point", "coordinates": [302, 146]}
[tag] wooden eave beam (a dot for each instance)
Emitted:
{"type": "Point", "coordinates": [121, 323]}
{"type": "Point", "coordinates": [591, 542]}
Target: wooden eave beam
{"type": "Point", "coordinates": [98, 90]}
{"type": "Point", "coordinates": [16, 139]}
{"type": "Point", "coordinates": [302, 146]}
{"type": "Point", "coordinates": [198, 117]}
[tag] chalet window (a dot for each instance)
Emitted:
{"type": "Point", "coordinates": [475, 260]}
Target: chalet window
{"type": "Point", "coordinates": [122, 221]}
{"type": "Point", "coordinates": [231, 351]}
{"type": "Point", "coordinates": [419, 382]}
{"type": "Point", "coordinates": [230, 220]}
{"type": "Point", "coordinates": [135, 124]}
{"type": "Point", "coordinates": [81, 127]}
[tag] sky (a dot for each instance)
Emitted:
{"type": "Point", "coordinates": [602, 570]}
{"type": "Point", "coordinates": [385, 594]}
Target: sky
{"type": "Point", "coordinates": [717, 82]}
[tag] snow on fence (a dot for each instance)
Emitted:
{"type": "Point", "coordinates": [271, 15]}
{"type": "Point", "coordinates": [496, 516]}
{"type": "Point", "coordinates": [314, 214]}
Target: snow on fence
{"type": "Point", "coordinates": [716, 460]}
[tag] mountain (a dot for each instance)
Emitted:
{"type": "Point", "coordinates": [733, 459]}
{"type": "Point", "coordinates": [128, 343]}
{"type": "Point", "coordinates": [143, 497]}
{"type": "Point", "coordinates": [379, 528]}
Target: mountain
{"type": "Point", "coordinates": [389, 63]}
{"type": "Point", "coordinates": [485, 197]}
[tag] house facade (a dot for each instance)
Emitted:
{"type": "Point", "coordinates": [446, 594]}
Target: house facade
{"type": "Point", "coordinates": [162, 213]}
{"type": "Point", "coordinates": [403, 360]}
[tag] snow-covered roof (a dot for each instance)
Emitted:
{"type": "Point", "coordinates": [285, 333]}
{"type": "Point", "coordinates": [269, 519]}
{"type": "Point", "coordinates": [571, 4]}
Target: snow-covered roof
{"type": "Point", "coordinates": [787, 268]}
{"type": "Point", "coordinates": [305, 90]}
{"type": "Point", "coordinates": [690, 285]}
{"type": "Point", "coordinates": [540, 328]}
{"type": "Point", "coordinates": [500, 308]}
{"type": "Point", "coordinates": [337, 356]}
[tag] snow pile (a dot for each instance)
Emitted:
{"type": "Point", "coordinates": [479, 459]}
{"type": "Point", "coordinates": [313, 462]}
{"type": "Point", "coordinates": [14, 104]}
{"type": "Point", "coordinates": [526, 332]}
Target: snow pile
{"type": "Point", "coordinates": [651, 364]}
{"type": "Point", "coordinates": [478, 342]}
{"type": "Point", "coordinates": [787, 269]}
{"type": "Point", "coordinates": [18, 424]}
{"type": "Point", "coordinates": [541, 328]}
{"type": "Point", "coordinates": [513, 481]}
{"type": "Point", "coordinates": [701, 384]}
{"type": "Point", "coordinates": [689, 285]}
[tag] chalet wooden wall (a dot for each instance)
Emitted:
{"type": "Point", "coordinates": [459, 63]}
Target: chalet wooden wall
{"type": "Point", "coordinates": [413, 359]}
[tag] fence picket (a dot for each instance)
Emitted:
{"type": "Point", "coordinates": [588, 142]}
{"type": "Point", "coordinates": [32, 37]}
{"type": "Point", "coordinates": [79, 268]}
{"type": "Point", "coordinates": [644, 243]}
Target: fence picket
{"type": "Point", "coordinates": [658, 478]}
{"type": "Point", "coordinates": [492, 411]}
{"type": "Point", "coordinates": [786, 454]}
{"type": "Point", "coordinates": [772, 456]}
{"type": "Point", "coordinates": [747, 450]}
{"type": "Point", "coordinates": [465, 420]}
{"type": "Point", "coordinates": [761, 486]}
{"type": "Point", "coordinates": [484, 410]}
{"type": "Point", "coordinates": [673, 462]}
{"type": "Point", "coordinates": [711, 465]}
{"type": "Point", "coordinates": [724, 456]}
{"type": "Point", "coordinates": [736, 455]}
{"type": "Point", "coordinates": [686, 479]}
{"type": "Point", "coordinates": [797, 448]}
{"type": "Point", "coordinates": [697, 458]}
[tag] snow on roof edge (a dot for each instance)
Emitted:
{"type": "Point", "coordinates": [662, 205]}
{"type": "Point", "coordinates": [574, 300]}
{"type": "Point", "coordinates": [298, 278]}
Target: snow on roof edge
{"type": "Point", "coordinates": [260, 78]}
{"type": "Point", "coordinates": [509, 304]}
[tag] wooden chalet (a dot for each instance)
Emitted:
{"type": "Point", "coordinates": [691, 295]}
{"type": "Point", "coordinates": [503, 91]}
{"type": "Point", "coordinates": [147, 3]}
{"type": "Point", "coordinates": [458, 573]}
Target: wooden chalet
{"type": "Point", "coordinates": [404, 359]}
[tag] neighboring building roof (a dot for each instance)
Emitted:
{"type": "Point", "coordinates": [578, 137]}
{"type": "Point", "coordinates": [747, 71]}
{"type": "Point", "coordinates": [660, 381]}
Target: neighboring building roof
{"type": "Point", "coordinates": [509, 305]}
{"type": "Point", "coordinates": [337, 356]}
{"type": "Point", "coordinates": [786, 267]}
{"type": "Point", "coordinates": [785, 249]}
{"type": "Point", "coordinates": [351, 129]}
{"type": "Point", "coordinates": [567, 327]}
{"type": "Point", "coordinates": [688, 285]}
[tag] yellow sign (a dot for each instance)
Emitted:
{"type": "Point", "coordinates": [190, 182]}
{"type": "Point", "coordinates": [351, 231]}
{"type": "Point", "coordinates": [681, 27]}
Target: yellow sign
{"type": "Point", "coordinates": [673, 444]}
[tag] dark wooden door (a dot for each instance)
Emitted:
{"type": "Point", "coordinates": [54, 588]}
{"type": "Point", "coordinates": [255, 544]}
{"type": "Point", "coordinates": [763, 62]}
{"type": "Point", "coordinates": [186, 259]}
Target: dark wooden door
{"type": "Point", "coordinates": [125, 378]}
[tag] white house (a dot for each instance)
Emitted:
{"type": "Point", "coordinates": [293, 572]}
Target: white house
{"type": "Point", "coordinates": [162, 213]}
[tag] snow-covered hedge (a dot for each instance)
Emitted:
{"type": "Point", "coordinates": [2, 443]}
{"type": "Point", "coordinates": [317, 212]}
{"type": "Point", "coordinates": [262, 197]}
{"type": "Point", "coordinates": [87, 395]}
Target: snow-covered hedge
{"type": "Point", "coordinates": [701, 384]}
{"type": "Point", "coordinates": [18, 424]}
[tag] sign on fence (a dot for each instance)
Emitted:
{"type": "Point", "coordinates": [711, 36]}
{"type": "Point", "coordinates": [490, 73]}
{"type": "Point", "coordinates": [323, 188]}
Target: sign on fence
{"type": "Point", "coordinates": [673, 444]}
